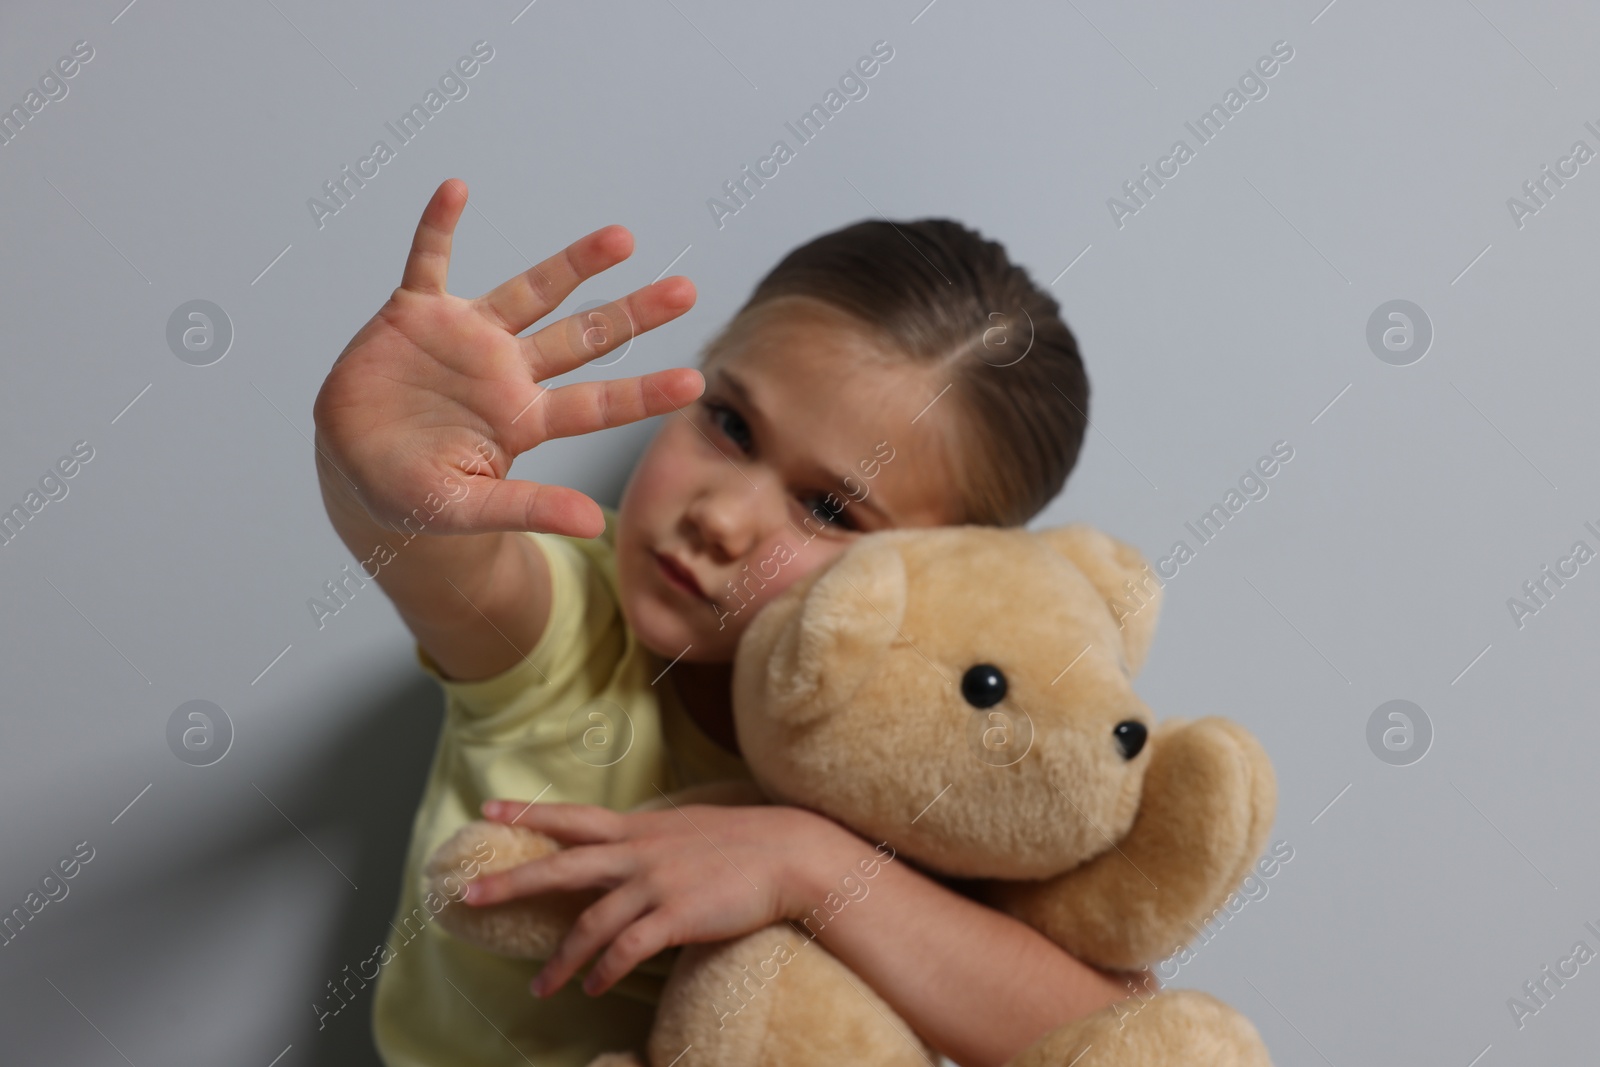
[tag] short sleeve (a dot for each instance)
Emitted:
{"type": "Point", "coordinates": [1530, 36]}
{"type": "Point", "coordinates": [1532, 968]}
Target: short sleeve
{"type": "Point", "coordinates": [581, 612]}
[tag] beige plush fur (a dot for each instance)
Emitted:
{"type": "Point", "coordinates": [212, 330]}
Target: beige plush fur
{"type": "Point", "coordinates": [849, 700]}
{"type": "Point", "coordinates": [528, 928]}
{"type": "Point", "coordinates": [776, 998]}
{"type": "Point", "coordinates": [1181, 1027]}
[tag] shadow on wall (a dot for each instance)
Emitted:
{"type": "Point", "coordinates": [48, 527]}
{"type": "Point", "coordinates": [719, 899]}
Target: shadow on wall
{"type": "Point", "coordinates": [201, 914]}
{"type": "Point", "coordinates": [207, 918]}
{"type": "Point", "coordinates": [369, 784]}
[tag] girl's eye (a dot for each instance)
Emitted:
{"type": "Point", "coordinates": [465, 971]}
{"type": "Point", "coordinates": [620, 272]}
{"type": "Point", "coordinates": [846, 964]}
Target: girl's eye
{"type": "Point", "coordinates": [833, 513]}
{"type": "Point", "coordinates": [732, 425]}
{"type": "Point", "coordinates": [734, 428]}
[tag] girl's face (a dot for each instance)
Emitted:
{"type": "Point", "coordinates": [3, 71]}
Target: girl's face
{"type": "Point", "coordinates": [802, 442]}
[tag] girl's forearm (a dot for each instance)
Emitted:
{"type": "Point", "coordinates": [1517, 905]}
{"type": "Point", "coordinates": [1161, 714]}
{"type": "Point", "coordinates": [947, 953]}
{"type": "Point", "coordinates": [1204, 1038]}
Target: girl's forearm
{"type": "Point", "coordinates": [978, 985]}
{"type": "Point", "coordinates": [477, 602]}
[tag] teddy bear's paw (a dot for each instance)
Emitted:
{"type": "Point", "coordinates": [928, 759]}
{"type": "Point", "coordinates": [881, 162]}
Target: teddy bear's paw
{"type": "Point", "coordinates": [1259, 802]}
{"type": "Point", "coordinates": [1207, 805]}
{"type": "Point", "coordinates": [1184, 1028]}
{"type": "Point", "coordinates": [775, 996]}
{"type": "Point", "coordinates": [1217, 797]}
{"type": "Point", "coordinates": [526, 928]}
{"type": "Point", "coordinates": [483, 847]}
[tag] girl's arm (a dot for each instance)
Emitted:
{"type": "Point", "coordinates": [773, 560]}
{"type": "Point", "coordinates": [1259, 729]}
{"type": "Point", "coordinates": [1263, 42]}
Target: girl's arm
{"type": "Point", "coordinates": [978, 985]}
{"type": "Point", "coordinates": [420, 417]}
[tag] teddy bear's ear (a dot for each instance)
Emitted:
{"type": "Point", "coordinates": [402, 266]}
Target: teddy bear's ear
{"type": "Point", "coordinates": [1131, 590]}
{"type": "Point", "coordinates": [849, 615]}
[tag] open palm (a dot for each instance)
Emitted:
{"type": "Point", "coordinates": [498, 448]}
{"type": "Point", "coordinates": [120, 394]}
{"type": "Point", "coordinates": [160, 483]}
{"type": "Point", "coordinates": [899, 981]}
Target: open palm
{"type": "Point", "coordinates": [438, 387]}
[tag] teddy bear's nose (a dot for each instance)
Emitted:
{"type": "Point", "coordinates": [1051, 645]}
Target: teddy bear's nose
{"type": "Point", "coordinates": [1130, 737]}
{"type": "Point", "coordinates": [983, 686]}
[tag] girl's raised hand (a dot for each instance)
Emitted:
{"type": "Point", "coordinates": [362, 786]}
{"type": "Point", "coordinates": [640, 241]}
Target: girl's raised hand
{"type": "Point", "coordinates": [438, 387]}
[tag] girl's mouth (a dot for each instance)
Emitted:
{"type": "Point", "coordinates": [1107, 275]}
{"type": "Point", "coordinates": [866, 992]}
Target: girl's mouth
{"type": "Point", "coordinates": [678, 575]}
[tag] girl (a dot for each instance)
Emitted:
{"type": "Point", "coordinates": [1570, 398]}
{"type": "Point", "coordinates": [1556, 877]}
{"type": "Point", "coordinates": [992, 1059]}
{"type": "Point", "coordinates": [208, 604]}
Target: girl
{"type": "Point", "coordinates": [880, 376]}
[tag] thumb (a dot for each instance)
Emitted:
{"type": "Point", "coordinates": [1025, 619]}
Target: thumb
{"type": "Point", "coordinates": [493, 504]}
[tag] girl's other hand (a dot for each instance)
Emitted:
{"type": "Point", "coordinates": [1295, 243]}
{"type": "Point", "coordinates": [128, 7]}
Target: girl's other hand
{"type": "Point", "coordinates": [688, 874]}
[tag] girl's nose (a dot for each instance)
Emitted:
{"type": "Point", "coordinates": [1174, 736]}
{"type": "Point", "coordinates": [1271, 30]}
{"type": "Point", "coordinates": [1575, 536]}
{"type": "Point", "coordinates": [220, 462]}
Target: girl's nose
{"type": "Point", "coordinates": [727, 516]}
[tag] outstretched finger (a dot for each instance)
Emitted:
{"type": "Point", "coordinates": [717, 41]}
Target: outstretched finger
{"type": "Point", "coordinates": [658, 929]}
{"type": "Point", "coordinates": [569, 823]}
{"type": "Point", "coordinates": [571, 869]}
{"type": "Point", "coordinates": [519, 302]}
{"type": "Point", "coordinates": [598, 924]}
{"type": "Point", "coordinates": [584, 407]}
{"type": "Point", "coordinates": [511, 504]}
{"type": "Point", "coordinates": [428, 265]}
{"type": "Point", "coordinates": [584, 335]}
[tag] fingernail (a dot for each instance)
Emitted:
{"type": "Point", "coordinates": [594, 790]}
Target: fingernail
{"type": "Point", "coordinates": [490, 808]}
{"type": "Point", "coordinates": [536, 987]}
{"type": "Point", "coordinates": [590, 983]}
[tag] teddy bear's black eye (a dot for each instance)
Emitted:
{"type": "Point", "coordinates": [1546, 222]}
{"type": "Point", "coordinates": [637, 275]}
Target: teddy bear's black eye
{"type": "Point", "coordinates": [1130, 737]}
{"type": "Point", "coordinates": [983, 686]}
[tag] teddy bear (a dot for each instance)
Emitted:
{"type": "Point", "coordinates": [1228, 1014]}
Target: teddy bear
{"type": "Point", "coordinates": [964, 695]}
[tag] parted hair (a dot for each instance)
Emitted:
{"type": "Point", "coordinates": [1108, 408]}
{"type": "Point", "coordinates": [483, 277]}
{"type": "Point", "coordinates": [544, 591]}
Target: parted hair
{"type": "Point", "coordinates": [939, 293]}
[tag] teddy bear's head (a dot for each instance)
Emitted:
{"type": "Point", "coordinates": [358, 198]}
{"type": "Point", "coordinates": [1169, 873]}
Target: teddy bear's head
{"type": "Point", "coordinates": [964, 693]}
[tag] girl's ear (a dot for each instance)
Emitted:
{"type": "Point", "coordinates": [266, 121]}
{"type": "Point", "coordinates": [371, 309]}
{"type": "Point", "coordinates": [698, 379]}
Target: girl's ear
{"type": "Point", "coordinates": [827, 631]}
{"type": "Point", "coordinates": [1120, 574]}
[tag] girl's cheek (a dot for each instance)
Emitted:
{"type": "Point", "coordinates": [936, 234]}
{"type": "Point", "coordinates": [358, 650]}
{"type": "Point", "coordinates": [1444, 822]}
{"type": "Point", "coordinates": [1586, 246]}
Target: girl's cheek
{"type": "Point", "coordinates": [791, 563]}
{"type": "Point", "coordinates": [669, 470]}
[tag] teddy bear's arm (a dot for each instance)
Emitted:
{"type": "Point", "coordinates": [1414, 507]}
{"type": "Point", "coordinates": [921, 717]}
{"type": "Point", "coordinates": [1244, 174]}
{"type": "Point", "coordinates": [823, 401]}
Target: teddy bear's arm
{"type": "Point", "coordinates": [525, 928]}
{"type": "Point", "coordinates": [1208, 803]}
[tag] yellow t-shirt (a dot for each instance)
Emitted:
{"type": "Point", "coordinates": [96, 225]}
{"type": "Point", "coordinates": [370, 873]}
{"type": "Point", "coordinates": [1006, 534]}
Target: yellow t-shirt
{"type": "Point", "coordinates": [580, 721]}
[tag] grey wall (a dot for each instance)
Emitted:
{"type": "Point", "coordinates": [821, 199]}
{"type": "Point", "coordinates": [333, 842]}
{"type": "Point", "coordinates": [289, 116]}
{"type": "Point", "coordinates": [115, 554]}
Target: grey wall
{"type": "Point", "coordinates": [1223, 316]}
